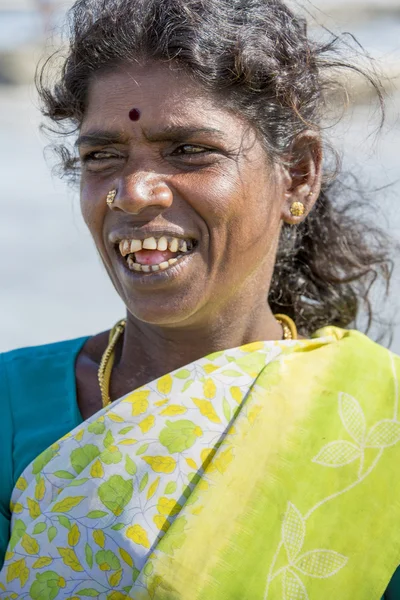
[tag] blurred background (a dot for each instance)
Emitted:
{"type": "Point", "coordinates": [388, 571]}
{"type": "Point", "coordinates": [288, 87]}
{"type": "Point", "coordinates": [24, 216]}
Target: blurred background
{"type": "Point", "coordinates": [52, 284]}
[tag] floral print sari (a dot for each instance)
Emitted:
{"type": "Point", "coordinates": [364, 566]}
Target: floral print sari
{"type": "Point", "coordinates": [257, 473]}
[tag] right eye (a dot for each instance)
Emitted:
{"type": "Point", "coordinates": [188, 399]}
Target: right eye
{"type": "Point", "coordinates": [101, 160]}
{"type": "Point", "coordinates": [98, 155]}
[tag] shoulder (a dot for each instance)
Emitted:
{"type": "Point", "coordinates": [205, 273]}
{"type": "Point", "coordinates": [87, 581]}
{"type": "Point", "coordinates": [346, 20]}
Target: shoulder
{"type": "Point", "coordinates": [37, 406]}
{"type": "Point", "coordinates": [353, 341]}
{"type": "Point", "coordinates": [27, 368]}
{"type": "Point", "coordinates": [38, 353]}
{"type": "Point", "coordinates": [37, 402]}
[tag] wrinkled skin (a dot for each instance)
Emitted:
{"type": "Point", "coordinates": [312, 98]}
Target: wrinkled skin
{"type": "Point", "coordinates": [214, 184]}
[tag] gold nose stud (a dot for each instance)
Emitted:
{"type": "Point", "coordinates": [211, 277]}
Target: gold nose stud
{"type": "Point", "coordinates": [111, 197]}
{"type": "Point", "coordinates": [297, 209]}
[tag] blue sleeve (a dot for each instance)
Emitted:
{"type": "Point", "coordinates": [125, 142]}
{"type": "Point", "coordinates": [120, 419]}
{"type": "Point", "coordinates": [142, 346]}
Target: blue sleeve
{"type": "Point", "coordinates": [38, 406]}
{"type": "Point", "coordinates": [393, 590]}
{"type": "Point", "coordinates": [6, 462]}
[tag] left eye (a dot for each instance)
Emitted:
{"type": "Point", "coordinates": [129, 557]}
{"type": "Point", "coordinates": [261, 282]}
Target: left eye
{"type": "Point", "coordinates": [190, 149]}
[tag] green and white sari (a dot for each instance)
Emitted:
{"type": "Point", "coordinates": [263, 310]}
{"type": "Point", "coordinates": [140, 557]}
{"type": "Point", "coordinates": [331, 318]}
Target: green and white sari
{"type": "Point", "coordinates": [257, 473]}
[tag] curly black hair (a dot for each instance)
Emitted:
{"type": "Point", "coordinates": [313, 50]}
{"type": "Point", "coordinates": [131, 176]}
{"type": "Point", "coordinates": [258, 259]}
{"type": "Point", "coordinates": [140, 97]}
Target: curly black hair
{"type": "Point", "coordinates": [257, 56]}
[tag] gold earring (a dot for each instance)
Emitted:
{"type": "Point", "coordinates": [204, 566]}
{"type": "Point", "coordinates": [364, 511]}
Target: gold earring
{"type": "Point", "coordinates": [297, 209]}
{"type": "Point", "coordinates": [111, 197]}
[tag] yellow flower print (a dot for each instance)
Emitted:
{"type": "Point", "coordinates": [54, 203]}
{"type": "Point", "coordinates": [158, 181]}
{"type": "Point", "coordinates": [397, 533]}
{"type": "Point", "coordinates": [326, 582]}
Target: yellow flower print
{"type": "Point", "coordinates": [191, 463]}
{"type": "Point", "coordinates": [207, 409]}
{"type": "Point", "coordinates": [253, 414]}
{"type": "Point", "coordinates": [210, 368]}
{"type": "Point", "coordinates": [147, 423]}
{"type": "Point", "coordinates": [221, 463]}
{"type": "Point", "coordinates": [162, 522]}
{"type": "Point", "coordinates": [236, 394]}
{"type": "Point", "coordinates": [96, 469]}
{"type": "Point", "coordinates": [206, 457]}
{"type": "Point", "coordinates": [139, 401]}
{"type": "Point", "coordinates": [173, 410]}
{"type": "Point", "coordinates": [209, 389]}
{"type": "Point", "coordinates": [164, 384]}
{"type": "Point", "coordinates": [253, 347]}
{"type": "Point", "coordinates": [137, 534]}
{"type": "Point", "coordinates": [168, 507]}
{"type": "Point", "coordinates": [161, 464]}
{"type": "Point", "coordinates": [161, 402]}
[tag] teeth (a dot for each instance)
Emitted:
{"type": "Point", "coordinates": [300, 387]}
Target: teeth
{"type": "Point", "coordinates": [150, 268]}
{"type": "Point", "coordinates": [182, 246]}
{"type": "Point", "coordinates": [150, 244]}
{"type": "Point", "coordinates": [131, 246]}
{"type": "Point", "coordinates": [173, 246]}
{"type": "Point", "coordinates": [162, 244]}
{"type": "Point", "coordinates": [124, 247]}
{"type": "Point", "coordinates": [135, 246]}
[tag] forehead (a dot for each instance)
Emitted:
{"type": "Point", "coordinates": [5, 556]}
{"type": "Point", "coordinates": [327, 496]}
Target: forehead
{"type": "Point", "coordinates": [159, 92]}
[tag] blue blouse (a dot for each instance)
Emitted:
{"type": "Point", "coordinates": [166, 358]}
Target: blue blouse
{"type": "Point", "coordinates": [41, 381]}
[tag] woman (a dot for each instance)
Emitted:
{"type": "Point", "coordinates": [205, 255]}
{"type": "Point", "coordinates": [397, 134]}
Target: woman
{"type": "Point", "coordinates": [202, 449]}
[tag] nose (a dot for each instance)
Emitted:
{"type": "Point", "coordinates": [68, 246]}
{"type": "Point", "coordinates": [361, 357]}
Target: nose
{"type": "Point", "coordinates": [139, 191]}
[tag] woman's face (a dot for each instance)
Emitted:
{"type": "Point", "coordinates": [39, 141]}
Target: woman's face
{"type": "Point", "coordinates": [190, 170]}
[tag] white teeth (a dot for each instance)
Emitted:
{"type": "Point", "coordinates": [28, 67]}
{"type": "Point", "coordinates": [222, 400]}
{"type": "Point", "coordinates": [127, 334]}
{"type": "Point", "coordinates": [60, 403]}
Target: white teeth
{"type": "Point", "coordinates": [162, 244]}
{"type": "Point", "coordinates": [135, 245]}
{"type": "Point", "coordinates": [150, 268]}
{"type": "Point", "coordinates": [182, 246]}
{"type": "Point", "coordinates": [131, 246]}
{"type": "Point", "coordinates": [173, 246]}
{"type": "Point", "coordinates": [150, 244]}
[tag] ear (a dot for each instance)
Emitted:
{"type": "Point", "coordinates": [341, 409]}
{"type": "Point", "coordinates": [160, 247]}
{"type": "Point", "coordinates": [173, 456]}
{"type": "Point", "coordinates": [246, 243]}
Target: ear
{"type": "Point", "coordinates": [303, 176]}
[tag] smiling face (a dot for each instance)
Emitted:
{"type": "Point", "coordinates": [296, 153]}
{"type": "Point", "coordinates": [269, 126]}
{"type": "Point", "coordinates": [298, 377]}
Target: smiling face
{"type": "Point", "coordinates": [187, 172]}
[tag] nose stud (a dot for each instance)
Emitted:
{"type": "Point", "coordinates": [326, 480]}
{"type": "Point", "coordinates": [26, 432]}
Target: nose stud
{"type": "Point", "coordinates": [111, 197]}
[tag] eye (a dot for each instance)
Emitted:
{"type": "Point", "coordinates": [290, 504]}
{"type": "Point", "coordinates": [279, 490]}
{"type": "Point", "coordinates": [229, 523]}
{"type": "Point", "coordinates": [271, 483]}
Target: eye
{"type": "Point", "coordinates": [98, 155]}
{"type": "Point", "coordinates": [190, 150]}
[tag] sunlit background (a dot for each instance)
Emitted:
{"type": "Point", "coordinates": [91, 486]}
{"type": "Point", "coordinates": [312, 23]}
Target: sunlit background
{"type": "Point", "coordinates": [53, 285]}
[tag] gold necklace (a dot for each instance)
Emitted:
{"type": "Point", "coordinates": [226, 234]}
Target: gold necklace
{"type": "Point", "coordinates": [107, 360]}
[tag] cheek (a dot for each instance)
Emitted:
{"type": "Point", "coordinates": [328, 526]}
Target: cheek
{"type": "Point", "coordinates": [93, 210]}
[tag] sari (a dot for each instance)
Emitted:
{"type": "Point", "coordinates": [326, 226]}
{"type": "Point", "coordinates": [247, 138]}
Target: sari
{"type": "Point", "coordinates": [255, 473]}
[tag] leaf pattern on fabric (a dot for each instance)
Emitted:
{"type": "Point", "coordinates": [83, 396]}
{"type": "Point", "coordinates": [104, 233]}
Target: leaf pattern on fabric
{"type": "Point", "coordinates": [161, 464]}
{"type": "Point", "coordinates": [293, 532]}
{"type": "Point", "coordinates": [337, 454]}
{"type": "Point", "coordinates": [352, 416]}
{"type": "Point", "coordinates": [324, 563]}
{"type": "Point", "coordinates": [107, 499]}
{"type": "Point", "coordinates": [321, 563]}
{"type": "Point", "coordinates": [115, 493]}
{"type": "Point", "coordinates": [383, 434]}
{"type": "Point", "coordinates": [179, 435]}
{"type": "Point", "coordinates": [293, 587]}
{"type": "Point", "coordinates": [207, 409]}
{"type": "Point", "coordinates": [138, 534]}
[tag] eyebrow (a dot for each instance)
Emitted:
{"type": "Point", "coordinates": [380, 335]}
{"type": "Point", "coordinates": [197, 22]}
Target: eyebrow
{"type": "Point", "coordinates": [171, 132]}
{"type": "Point", "coordinates": [100, 137]}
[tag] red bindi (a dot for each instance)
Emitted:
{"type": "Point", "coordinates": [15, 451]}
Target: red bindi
{"type": "Point", "coordinates": [134, 114]}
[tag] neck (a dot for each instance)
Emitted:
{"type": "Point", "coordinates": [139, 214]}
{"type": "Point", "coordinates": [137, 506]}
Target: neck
{"type": "Point", "coordinates": [149, 351]}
